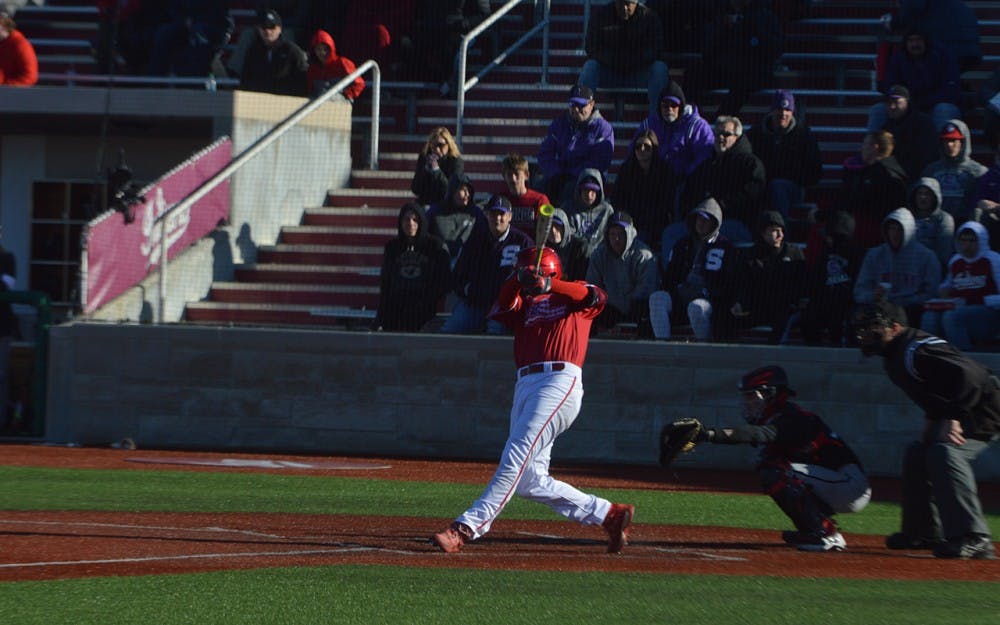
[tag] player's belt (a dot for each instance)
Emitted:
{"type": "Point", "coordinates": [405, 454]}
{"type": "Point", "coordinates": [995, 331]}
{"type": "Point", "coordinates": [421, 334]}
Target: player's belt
{"type": "Point", "coordinates": [540, 367]}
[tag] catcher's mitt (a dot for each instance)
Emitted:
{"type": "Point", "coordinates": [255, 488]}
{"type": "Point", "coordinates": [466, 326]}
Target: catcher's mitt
{"type": "Point", "coordinates": [677, 438]}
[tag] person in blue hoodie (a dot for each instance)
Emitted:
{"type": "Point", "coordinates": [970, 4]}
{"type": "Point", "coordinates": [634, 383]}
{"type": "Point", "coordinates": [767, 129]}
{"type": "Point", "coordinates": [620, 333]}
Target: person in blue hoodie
{"type": "Point", "coordinates": [901, 270]}
{"type": "Point", "coordinates": [935, 228]}
{"type": "Point", "coordinates": [589, 212]}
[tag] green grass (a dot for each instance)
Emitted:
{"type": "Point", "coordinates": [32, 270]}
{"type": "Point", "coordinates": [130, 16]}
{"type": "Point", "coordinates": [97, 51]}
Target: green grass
{"type": "Point", "coordinates": [358, 594]}
{"type": "Point", "coordinates": [385, 594]}
{"type": "Point", "coordinates": [29, 488]}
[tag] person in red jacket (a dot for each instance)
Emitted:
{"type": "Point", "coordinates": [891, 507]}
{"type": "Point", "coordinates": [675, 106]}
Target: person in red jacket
{"type": "Point", "coordinates": [18, 63]}
{"type": "Point", "coordinates": [326, 67]}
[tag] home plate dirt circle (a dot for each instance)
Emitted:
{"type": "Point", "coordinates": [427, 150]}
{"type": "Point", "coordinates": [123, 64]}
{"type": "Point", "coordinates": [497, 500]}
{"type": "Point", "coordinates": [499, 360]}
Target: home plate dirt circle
{"type": "Point", "coordinates": [264, 463]}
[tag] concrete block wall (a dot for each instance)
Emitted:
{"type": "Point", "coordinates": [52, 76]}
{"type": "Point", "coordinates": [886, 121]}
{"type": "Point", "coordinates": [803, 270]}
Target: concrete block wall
{"type": "Point", "coordinates": [437, 396]}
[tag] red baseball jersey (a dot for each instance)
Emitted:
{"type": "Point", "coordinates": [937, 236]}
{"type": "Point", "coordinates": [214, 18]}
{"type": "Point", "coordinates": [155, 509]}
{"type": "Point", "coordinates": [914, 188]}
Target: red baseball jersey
{"type": "Point", "coordinates": [972, 280]}
{"type": "Point", "coordinates": [550, 327]}
{"type": "Point", "coordinates": [525, 209]}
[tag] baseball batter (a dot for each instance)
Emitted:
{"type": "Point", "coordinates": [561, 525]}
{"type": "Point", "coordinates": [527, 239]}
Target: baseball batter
{"type": "Point", "coordinates": [550, 318]}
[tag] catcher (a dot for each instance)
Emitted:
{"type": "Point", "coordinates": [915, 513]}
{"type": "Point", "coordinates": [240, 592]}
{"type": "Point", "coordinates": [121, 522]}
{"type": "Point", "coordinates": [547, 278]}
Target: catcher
{"type": "Point", "coordinates": [803, 465]}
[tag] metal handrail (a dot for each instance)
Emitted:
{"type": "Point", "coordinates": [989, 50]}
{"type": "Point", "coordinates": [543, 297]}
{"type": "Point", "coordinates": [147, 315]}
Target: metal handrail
{"type": "Point", "coordinates": [463, 55]}
{"type": "Point", "coordinates": [253, 150]}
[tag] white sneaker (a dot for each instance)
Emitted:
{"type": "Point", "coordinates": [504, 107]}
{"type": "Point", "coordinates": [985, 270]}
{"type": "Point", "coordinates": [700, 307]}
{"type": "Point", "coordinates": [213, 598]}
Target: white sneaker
{"type": "Point", "coordinates": [830, 542]}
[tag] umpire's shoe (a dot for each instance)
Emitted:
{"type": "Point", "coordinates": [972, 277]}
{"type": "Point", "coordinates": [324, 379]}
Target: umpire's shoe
{"type": "Point", "coordinates": [452, 539]}
{"type": "Point", "coordinates": [616, 524]}
{"type": "Point", "coordinates": [971, 547]}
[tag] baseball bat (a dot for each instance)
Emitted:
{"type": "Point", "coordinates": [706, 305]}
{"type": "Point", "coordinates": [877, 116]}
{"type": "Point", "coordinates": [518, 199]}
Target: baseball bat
{"type": "Point", "coordinates": [542, 227]}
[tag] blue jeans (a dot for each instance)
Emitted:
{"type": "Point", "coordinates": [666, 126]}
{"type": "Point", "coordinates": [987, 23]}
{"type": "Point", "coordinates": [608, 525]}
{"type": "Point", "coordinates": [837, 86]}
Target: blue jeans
{"type": "Point", "coordinates": [783, 194]}
{"type": "Point", "coordinates": [466, 318]}
{"type": "Point", "coordinates": [654, 77]}
{"type": "Point", "coordinates": [965, 325]}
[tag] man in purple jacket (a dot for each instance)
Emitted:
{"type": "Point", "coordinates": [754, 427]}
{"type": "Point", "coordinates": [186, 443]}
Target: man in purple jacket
{"type": "Point", "coordinates": [578, 138]}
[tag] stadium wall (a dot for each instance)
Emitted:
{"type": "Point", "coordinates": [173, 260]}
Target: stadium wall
{"type": "Point", "coordinates": [436, 396]}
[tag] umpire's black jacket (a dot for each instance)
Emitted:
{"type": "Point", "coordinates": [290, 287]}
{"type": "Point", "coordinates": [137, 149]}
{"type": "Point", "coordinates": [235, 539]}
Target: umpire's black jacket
{"type": "Point", "coordinates": [944, 382]}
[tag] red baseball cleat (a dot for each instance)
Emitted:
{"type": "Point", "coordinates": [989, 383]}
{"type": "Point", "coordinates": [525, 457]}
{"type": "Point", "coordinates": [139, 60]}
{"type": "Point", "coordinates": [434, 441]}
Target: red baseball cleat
{"type": "Point", "coordinates": [452, 539]}
{"type": "Point", "coordinates": [616, 524]}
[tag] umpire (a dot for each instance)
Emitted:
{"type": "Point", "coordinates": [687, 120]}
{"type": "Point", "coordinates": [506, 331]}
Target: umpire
{"type": "Point", "coordinates": [961, 403]}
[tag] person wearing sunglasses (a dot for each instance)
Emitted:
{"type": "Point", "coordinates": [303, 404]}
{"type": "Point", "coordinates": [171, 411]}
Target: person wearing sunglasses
{"type": "Point", "coordinates": [578, 138]}
{"type": "Point", "coordinates": [437, 162]}
{"type": "Point", "coordinates": [274, 63]}
{"type": "Point", "coordinates": [643, 188]}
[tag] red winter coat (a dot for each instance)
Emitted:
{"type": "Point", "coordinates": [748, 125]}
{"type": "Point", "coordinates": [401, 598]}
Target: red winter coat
{"type": "Point", "coordinates": [18, 63]}
{"type": "Point", "coordinates": [334, 68]}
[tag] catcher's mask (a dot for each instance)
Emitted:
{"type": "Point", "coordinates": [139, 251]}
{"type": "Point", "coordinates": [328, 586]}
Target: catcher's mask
{"type": "Point", "coordinates": [761, 388]}
{"type": "Point", "coordinates": [550, 266]}
{"type": "Point", "coordinates": [870, 322]}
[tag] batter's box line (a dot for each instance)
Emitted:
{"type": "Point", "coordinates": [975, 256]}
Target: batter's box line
{"type": "Point", "coordinates": [215, 530]}
{"type": "Point", "coordinates": [701, 554]}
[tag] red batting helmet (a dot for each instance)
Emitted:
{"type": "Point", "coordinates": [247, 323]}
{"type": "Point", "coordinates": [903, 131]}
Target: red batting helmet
{"type": "Point", "coordinates": [550, 264]}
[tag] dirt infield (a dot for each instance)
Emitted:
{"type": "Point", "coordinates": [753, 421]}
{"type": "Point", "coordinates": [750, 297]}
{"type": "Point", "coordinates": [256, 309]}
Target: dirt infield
{"type": "Point", "coordinates": [53, 544]}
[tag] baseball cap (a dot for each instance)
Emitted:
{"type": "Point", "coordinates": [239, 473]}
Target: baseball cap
{"type": "Point", "coordinates": [497, 203]}
{"type": "Point", "coordinates": [268, 18]}
{"type": "Point", "coordinates": [670, 99]}
{"type": "Point", "coordinates": [897, 91]}
{"type": "Point", "coordinates": [581, 95]}
{"type": "Point", "coordinates": [783, 99]}
{"type": "Point", "coordinates": [951, 131]}
{"type": "Point", "coordinates": [591, 184]}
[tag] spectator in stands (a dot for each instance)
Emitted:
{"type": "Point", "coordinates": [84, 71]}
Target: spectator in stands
{"type": "Point", "coordinates": [18, 63]}
{"type": "Point", "coordinates": [989, 100]}
{"type": "Point", "coordinates": [577, 139]}
{"type": "Point", "coordinates": [644, 189]}
{"type": "Point", "coordinates": [830, 286]}
{"type": "Point", "coordinates": [950, 22]}
{"type": "Point", "coordinates": [525, 201]}
{"type": "Point", "coordinates": [438, 28]}
{"type": "Point", "coordinates": [873, 184]}
{"type": "Point", "coordinates": [916, 138]}
{"type": "Point", "coordinates": [296, 24]}
{"type": "Point", "coordinates": [195, 32]}
{"type": "Point", "coordinates": [733, 177]}
{"type": "Point", "coordinates": [684, 22]}
{"type": "Point", "coordinates": [972, 275]}
{"type": "Point", "coordinates": [988, 200]}
{"type": "Point", "coordinates": [8, 326]}
{"type": "Point", "coordinates": [957, 173]}
{"type": "Point", "coordinates": [589, 213]}
{"type": "Point", "coordinates": [930, 73]}
{"type": "Point", "coordinates": [326, 68]}
{"type": "Point", "coordinates": [437, 162]}
{"type": "Point", "coordinates": [487, 259]}
{"type": "Point", "coordinates": [789, 151]}
{"type": "Point", "coordinates": [699, 278]}
{"type": "Point", "coordinates": [935, 227]}
{"type": "Point", "coordinates": [900, 270]}
{"type": "Point", "coordinates": [571, 250]}
{"type": "Point", "coordinates": [453, 218]}
{"type": "Point", "coordinates": [627, 270]}
{"type": "Point", "coordinates": [741, 48]}
{"type": "Point", "coordinates": [771, 281]}
{"type": "Point", "coordinates": [625, 48]}
{"type": "Point", "coordinates": [416, 274]}
{"type": "Point", "coordinates": [686, 140]}
{"type": "Point", "coordinates": [374, 29]}
{"type": "Point", "coordinates": [273, 63]}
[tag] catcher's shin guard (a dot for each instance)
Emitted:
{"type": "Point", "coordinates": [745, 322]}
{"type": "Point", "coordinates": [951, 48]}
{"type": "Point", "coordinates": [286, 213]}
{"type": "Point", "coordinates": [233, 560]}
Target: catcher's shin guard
{"type": "Point", "coordinates": [796, 500]}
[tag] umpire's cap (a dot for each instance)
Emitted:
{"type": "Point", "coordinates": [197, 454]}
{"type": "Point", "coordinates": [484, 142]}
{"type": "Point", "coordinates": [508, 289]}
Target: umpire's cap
{"type": "Point", "coordinates": [882, 312]}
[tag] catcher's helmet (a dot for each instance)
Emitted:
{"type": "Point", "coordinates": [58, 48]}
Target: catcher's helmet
{"type": "Point", "coordinates": [768, 379]}
{"type": "Point", "coordinates": [550, 264]}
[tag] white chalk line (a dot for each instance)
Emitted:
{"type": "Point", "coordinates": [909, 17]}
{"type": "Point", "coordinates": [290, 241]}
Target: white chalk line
{"type": "Point", "coordinates": [201, 556]}
{"type": "Point", "coordinates": [700, 554]}
{"type": "Point", "coordinates": [217, 530]}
